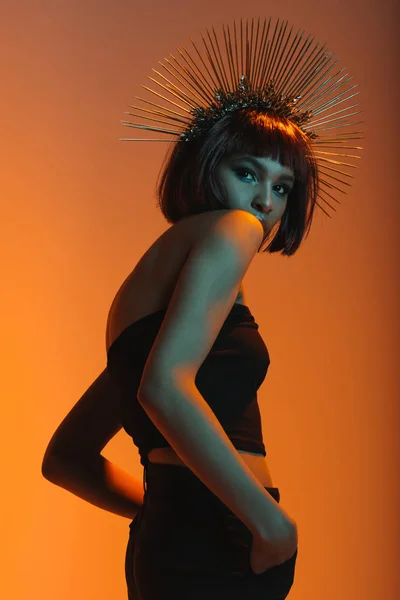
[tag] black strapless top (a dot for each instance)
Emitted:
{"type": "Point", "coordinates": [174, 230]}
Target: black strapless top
{"type": "Point", "coordinates": [228, 379]}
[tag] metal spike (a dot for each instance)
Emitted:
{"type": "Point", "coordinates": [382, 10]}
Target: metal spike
{"type": "Point", "coordinates": [197, 77]}
{"type": "Point", "coordinates": [166, 99]}
{"type": "Point", "coordinates": [335, 178]}
{"type": "Point", "coordinates": [242, 70]}
{"type": "Point", "coordinates": [263, 58]}
{"type": "Point", "coordinates": [322, 120]}
{"type": "Point", "coordinates": [147, 128]}
{"type": "Point", "coordinates": [237, 74]}
{"type": "Point", "coordinates": [329, 144]}
{"type": "Point", "coordinates": [255, 53]}
{"type": "Point", "coordinates": [335, 101]}
{"type": "Point", "coordinates": [218, 82]}
{"type": "Point", "coordinates": [247, 50]}
{"type": "Point", "coordinates": [271, 54]}
{"type": "Point", "coordinates": [182, 72]}
{"type": "Point", "coordinates": [307, 71]}
{"type": "Point", "coordinates": [322, 208]}
{"type": "Point", "coordinates": [145, 140]}
{"type": "Point", "coordinates": [337, 162]}
{"type": "Point", "coordinates": [194, 77]}
{"type": "Point", "coordinates": [320, 104]}
{"type": "Point", "coordinates": [333, 208]}
{"type": "Point", "coordinates": [324, 128]}
{"type": "Point", "coordinates": [285, 62]}
{"type": "Point", "coordinates": [181, 80]}
{"type": "Point", "coordinates": [299, 50]}
{"type": "Point", "coordinates": [318, 92]}
{"type": "Point", "coordinates": [208, 85]}
{"type": "Point", "coordinates": [278, 54]}
{"type": "Point", "coordinates": [337, 154]}
{"type": "Point", "coordinates": [324, 166]}
{"type": "Point", "coordinates": [322, 191]}
{"type": "Point", "coordinates": [170, 91]}
{"type": "Point", "coordinates": [340, 137]}
{"type": "Point", "coordinates": [220, 62]}
{"type": "Point", "coordinates": [164, 108]}
{"type": "Point", "coordinates": [266, 65]}
{"type": "Point", "coordinates": [229, 53]}
{"type": "Point", "coordinates": [158, 114]}
{"type": "Point", "coordinates": [181, 93]}
{"type": "Point", "coordinates": [148, 118]}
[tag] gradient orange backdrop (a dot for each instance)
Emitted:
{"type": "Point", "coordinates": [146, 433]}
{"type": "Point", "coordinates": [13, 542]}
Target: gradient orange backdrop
{"type": "Point", "coordinates": [78, 211]}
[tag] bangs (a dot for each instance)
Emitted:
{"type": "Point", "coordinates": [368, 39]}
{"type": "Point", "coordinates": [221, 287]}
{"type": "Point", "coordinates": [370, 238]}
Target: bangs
{"type": "Point", "coordinates": [256, 134]}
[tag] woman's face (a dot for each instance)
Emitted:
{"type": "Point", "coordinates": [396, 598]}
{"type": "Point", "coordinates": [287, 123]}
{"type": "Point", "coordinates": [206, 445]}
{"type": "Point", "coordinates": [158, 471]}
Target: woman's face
{"type": "Point", "coordinates": [256, 184]}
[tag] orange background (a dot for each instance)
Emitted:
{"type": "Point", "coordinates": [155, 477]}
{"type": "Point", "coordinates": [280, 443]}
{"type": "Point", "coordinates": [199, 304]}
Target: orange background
{"type": "Point", "coordinates": [78, 211]}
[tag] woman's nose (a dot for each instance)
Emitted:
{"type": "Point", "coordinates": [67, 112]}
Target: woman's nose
{"type": "Point", "coordinates": [264, 200]}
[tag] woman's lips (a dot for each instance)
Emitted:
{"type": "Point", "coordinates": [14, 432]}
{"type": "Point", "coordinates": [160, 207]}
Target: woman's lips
{"type": "Point", "coordinates": [263, 223]}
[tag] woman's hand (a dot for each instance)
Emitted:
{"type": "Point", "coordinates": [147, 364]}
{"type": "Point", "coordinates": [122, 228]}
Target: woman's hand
{"type": "Point", "coordinates": [277, 548]}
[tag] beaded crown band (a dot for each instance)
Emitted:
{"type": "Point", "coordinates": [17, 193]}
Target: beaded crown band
{"type": "Point", "coordinates": [271, 72]}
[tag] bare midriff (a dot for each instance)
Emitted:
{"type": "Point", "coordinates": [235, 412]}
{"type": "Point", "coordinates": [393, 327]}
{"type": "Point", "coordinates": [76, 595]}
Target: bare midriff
{"type": "Point", "coordinates": [256, 462]}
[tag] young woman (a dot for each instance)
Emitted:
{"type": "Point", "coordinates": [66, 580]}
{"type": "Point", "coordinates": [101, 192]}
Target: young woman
{"type": "Point", "coordinates": [186, 360]}
{"type": "Point", "coordinates": [211, 525]}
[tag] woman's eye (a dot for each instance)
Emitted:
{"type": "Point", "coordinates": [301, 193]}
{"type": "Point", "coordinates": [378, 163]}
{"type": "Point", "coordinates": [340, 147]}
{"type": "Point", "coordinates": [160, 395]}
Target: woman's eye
{"type": "Point", "coordinates": [285, 189]}
{"type": "Point", "coordinates": [243, 172]}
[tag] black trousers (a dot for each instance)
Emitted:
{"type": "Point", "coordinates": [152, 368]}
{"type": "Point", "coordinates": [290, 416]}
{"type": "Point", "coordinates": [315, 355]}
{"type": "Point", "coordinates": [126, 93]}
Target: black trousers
{"type": "Point", "coordinates": [185, 544]}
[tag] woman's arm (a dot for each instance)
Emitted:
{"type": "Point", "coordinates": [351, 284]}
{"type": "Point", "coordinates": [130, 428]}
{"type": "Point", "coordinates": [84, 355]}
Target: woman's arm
{"type": "Point", "coordinates": [90, 424]}
{"type": "Point", "coordinates": [73, 458]}
{"type": "Point", "coordinates": [98, 481]}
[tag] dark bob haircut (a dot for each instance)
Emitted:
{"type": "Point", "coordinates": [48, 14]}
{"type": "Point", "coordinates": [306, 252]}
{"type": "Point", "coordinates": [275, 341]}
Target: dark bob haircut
{"type": "Point", "coordinates": [187, 183]}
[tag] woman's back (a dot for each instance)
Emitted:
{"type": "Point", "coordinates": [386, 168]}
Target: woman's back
{"type": "Point", "coordinates": [149, 287]}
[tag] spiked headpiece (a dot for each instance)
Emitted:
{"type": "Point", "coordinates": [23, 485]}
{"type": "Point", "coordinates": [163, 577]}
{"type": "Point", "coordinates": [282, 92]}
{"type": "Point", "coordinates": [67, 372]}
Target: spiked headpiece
{"type": "Point", "coordinates": [276, 74]}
